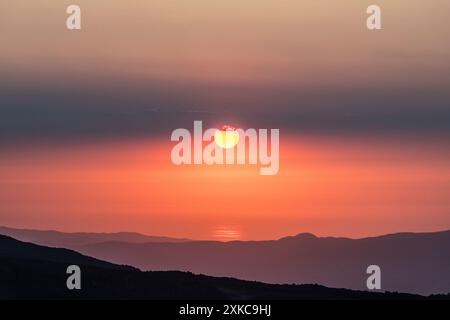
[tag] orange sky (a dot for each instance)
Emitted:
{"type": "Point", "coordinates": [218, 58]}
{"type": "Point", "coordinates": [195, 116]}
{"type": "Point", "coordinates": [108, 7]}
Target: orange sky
{"type": "Point", "coordinates": [344, 187]}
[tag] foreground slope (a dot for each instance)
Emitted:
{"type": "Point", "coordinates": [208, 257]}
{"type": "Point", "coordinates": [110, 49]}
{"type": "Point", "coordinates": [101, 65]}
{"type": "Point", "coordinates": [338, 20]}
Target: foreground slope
{"type": "Point", "coordinates": [30, 271]}
{"type": "Point", "coordinates": [410, 262]}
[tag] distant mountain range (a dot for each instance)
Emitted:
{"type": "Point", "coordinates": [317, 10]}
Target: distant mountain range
{"type": "Point", "coordinates": [30, 271]}
{"type": "Point", "coordinates": [410, 262]}
{"type": "Point", "coordinates": [64, 239]}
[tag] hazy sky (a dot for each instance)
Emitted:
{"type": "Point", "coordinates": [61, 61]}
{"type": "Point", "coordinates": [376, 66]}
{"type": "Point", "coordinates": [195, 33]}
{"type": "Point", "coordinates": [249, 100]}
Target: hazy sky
{"type": "Point", "coordinates": [86, 116]}
{"type": "Point", "coordinates": [304, 64]}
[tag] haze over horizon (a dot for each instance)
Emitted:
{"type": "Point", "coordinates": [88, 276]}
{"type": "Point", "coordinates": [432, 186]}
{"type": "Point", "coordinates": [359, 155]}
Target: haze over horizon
{"type": "Point", "coordinates": [12, 230]}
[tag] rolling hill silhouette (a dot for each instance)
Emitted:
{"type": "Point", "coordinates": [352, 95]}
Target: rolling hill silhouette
{"type": "Point", "coordinates": [30, 271]}
{"type": "Point", "coordinates": [410, 262]}
{"type": "Point", "coordinates": [64, 239]}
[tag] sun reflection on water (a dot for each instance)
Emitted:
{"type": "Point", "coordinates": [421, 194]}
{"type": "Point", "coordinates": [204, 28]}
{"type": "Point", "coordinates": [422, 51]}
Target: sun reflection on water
{"type": "Point", "coordinates": [227, 233]}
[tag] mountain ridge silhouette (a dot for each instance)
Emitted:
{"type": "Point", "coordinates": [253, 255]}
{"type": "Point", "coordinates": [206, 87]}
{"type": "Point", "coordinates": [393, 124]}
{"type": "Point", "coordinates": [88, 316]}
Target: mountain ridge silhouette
{"type": "Point", "coordinates": [31, 271]}
{"type": "Point", "coordinates": [410, 261]}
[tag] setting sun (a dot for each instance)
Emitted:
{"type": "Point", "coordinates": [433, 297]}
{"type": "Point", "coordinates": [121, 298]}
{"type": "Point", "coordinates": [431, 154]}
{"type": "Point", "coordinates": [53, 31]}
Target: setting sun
{"type": "Point", "coordinates": [227, 137]}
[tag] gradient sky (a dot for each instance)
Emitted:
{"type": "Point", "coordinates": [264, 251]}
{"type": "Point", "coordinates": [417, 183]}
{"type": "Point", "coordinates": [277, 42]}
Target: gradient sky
{"type": "Point", "coordinates": [86, 116]}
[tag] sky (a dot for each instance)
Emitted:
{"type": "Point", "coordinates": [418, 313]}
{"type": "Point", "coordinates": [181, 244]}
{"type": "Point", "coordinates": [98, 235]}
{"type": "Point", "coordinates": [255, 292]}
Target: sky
{"type": "Point", "coordinates": [86, 116]}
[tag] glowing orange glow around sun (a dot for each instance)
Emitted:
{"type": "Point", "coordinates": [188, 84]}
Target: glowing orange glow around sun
{"type": "Point", "coordinates": [227, 137]}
